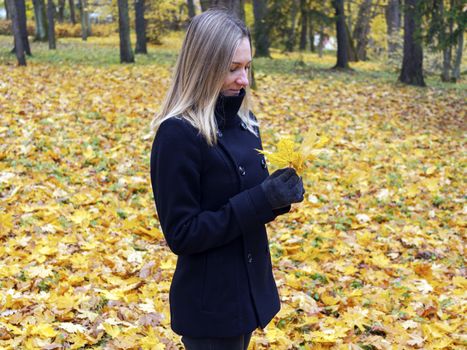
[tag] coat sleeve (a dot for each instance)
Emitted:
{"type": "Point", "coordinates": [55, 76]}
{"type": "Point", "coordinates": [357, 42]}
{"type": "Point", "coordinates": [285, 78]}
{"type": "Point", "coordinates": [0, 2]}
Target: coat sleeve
{"type": "Point", "coordinates": [176, 161]}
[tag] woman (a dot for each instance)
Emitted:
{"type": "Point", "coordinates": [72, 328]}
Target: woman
{"type": "Point", "coordinates": [212, 190]}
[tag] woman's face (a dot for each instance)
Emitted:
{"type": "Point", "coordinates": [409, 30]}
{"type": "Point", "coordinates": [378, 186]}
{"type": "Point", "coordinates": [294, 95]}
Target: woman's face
{"type": "Point", "coordinates": [237, 77]}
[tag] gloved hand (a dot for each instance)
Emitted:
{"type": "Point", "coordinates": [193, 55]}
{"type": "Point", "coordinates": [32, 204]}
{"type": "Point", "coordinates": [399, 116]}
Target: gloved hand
{"type": "Point", "coordinates": [283, 187]}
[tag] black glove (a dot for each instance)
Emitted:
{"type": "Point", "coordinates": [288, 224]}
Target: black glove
{"type": "Point", "coordinates": [283, 187]}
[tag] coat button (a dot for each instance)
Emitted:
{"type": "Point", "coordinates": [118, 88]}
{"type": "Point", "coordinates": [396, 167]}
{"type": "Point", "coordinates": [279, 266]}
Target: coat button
{"type": "Point", "coordinates": [249, 258]}
{"type": "Point", "coordinates": [243, 125]}
{"type": "Point", "coordinates": [263, 163]}
{"type": "Point", "coordinates": [241, 170]}
{"type": "Point", "coordinates": [219, 133]}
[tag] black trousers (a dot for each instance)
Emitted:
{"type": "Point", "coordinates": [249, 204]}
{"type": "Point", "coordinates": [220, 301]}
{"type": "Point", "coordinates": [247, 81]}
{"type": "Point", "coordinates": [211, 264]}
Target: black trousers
{"type": "Point", "coordinates": [234, 343]}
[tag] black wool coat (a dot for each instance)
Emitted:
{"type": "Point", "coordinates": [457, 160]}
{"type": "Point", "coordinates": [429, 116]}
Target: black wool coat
{"type": "Point", "coordinates": [213, 212]}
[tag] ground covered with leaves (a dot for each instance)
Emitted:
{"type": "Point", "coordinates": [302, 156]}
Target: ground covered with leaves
{"type": "Point", "coordinates": [372, 259]}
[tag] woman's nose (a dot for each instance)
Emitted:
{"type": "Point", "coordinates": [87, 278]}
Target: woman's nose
{"type": "Point", "coordinates": [243, 78]}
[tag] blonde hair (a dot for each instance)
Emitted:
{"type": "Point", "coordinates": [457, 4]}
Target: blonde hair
{"type": "Point", "coordinates": [202, 65]}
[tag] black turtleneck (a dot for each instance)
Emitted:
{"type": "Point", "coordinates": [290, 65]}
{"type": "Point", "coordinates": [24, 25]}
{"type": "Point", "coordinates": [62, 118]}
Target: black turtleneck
{"type": "Point", "coordinates": [227, 108]}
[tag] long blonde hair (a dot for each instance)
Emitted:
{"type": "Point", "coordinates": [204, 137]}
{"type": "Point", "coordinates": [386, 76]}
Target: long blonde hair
{"type": "Point", "coordinates": [202, 65]}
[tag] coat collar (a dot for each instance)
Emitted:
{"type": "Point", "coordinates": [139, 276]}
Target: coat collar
{"type": "Point", "coordinates": [227, 108]}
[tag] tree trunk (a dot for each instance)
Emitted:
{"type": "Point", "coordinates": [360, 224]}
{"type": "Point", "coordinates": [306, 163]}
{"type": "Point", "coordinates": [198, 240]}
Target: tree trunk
{"type": "Point", "coordinates": [352, 52]}
{"type": "Point", "coordinates": [311, 33]}
{"type": "Point", "coordinates": [126, 53]}
{"type": "Point", "coordinates": [290, 42]}
{"type": "Point", "coordinates": [140, 27]}
{"type": "Point", "coordinates": [304, 24]}
{"type": "Point", "coordinates": [412, 63]}
{"type": "Point", "coordinates": [61, 10]}
{"type": "Point", "coordinates": [191, 8]}
{"type": "Point", "coordinates": [21, 13]}
{"type": "Point", "coordinates": [321, 41]}
{"type": "Point", "coordinates": [447, 52]}
{"type": "Point", "coordinates": [83, 9]}
{"type": "Point", "coordinates": [50, 18]}
{"type": "Point", "coordinates": [71, 3]}
{"type": "Point", "coordinates": [349, 16]}
{"type": "Point", "coordinates": [205, 4]}
{"type": "Point", "coordinates": [261, 29]}
{"type": "Point", "coordinates": [456, 72]}
{"type": "Point", "coordinates": [342, 37]}
{"type": "Point", "coordinates": [236, 6]}
{"type": "Point", "coordinates": [362, 29]}
{"type": "Point", "coordinates": [393, 24]}
{"type": "Point", "coordinates": [41, 24]}
{"type": "Point", "coordinates": [6, 10]}
{"type": "Point", "coordinates": [19, 49]}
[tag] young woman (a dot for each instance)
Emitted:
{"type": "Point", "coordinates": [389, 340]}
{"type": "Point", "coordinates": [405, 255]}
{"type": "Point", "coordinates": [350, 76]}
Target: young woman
{"type": "Point", "coordinates": [213, 192]}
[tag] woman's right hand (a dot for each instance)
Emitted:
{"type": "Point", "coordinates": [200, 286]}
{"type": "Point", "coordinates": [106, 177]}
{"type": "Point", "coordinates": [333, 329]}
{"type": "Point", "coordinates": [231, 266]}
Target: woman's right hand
{"type": "Point", "coordinates": [283, 187]}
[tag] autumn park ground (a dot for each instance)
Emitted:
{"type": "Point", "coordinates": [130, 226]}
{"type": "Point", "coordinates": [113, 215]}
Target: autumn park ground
{"type": "Point", "coordinates": [372, 259]}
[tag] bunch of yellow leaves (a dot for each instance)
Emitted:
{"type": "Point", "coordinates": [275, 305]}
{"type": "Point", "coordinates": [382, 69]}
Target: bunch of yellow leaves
{"type": "Point", "coordinates": [293, 154]}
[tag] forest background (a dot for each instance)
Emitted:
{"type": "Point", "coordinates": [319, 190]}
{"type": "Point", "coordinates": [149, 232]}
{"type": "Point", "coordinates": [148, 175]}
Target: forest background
{"type": "Point", "coordinates": [372, 259]}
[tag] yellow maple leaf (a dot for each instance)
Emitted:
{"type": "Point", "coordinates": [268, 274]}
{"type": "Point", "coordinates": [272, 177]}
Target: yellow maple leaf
{"type": "Point", "coordinates": [113, 331]}
{"type": "Point", "coordinates": [285, 155]}
{"type": "Point", "coordinates": [295, 155]}
{"type": "Point", "coordinates": [6, 224]}
{"type": "Point", "coordinates": [151, 341]}
{"type": "Point", "coordinates": [44, 330]}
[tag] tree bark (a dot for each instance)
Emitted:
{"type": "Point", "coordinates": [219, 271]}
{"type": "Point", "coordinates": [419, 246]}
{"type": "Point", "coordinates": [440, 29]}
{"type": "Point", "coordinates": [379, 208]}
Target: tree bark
{"type": "Point", "coordinates": [342, 38]}
{"type": "Point", "coordinates": [41, 24]}
{"type": "Point", "coordinates": [393, 24]}
{"type": "Point", "coordinates": [236, 6]}
{"type": "Point", "coordinates": [191, 8]}
{"type": "Point", "coordinates": [321, 41]}
{"type": "Point", "coordinates": [311, 32]}
{"type": "Point", "coordinates": [348, 17]}
{"type": "Point", "coordinates": [126, 53]}
{"type": "Point", "coordinates": [21, 13]}
{"type": "Point", "coordinates": [61, 10]}
{"type": "Point", "coordinates": [412, 63]}
{"type": "Point", "coordinates": [51, 26]}
{"type": "Point", "coordinates": [19, 49]}
{"type": "Point", "coordinates": [7, 12]}
{"type": "Point", "coordinates": [84, 14]}
{"type": "Point", "coordinates": [352, 52]}
{"type": "Point", "coordinates": [205, 4]}
{"type": "Point", "coordinates": [447, 52]}
{"type": "Point", "coordinates": [362, 29]}
{"type": "Point", "coordinates": [304, 24]}
{"type": "Point", "coordinates": [290, 42]}
{"type": "Point", "coordinates": [140, 27]}
{"type": "Point", "coordinates": [261, 29]}
{"type": "Point", "coordinates": [456, 72]}
{"type": "Point", "coordinates": [71, 3]}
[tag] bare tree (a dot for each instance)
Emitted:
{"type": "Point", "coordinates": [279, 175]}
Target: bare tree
{"type": "Point", "coordinates": [304, 24]}
{"type": "Point", "coordinates": [191, 8]}
{"type": "Point", "coordinates": [412, 63]}
{"type": "Point", "coordinates": [362, 29]}
{"type": "Point", "coordinates": [126, 53]}
{"type": "Point", "coordinates": [51, 26]}
{"type": "Point", "coordinates": [393, 23]}
{"type": "Point", "coordinates": [342, 37]}
{"type": "Point", "coordinates": [40, 18]}
{"type": "Point", "coordinates": [71, 3]}
{"type": "Point", "coordinates": [140, 27]}
{"type": "Point", "coordinates": [261, 28]}
{"type": "Point", "coordinates": [19, 49]}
